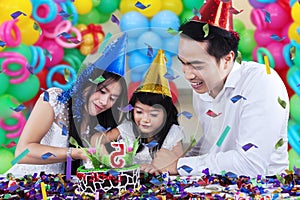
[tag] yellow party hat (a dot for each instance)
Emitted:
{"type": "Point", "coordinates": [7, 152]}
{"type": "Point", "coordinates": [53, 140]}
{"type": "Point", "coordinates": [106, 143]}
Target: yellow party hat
{"type": "Point", "coordinates": [154, 80]}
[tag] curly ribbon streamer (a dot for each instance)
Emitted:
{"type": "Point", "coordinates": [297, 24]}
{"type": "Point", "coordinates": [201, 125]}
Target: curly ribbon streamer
{"type": "Point", "coordinates": [39, 57]}
{"type": "Point", "coordinates": [68, 6]}
{"type": "Point", "coordinates": [15, 129]}
{"type": "Point", "coordinates": [47, 5]}
{"type": "Point", "coordinates": [60, 69]}
{"type": "Point", "coordinates": [10, 33]}
{"type": "Point", "coordinates": [260, 56]}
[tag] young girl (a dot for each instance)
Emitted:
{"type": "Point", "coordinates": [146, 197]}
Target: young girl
{"type": "Point", "coordinates": [153, 118]}
{"type": "Point", "coordinates": [96, 95]}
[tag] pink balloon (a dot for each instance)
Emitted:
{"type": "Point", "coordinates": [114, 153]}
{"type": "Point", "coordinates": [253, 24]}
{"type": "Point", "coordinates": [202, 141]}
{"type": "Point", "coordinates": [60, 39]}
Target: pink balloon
{"type": "Point", "coordinates": [42, 10]}
{"type": "Point", "coordinates": [279, 17]}
{"type": "Point", "coordinates": [276, 49]}
{"type": "Point", "coordinates": [257, 4]}
{"type": "Point", "coordinates": [263, 37]}
{"type": "Point", "coordinates": [56, 51]}
{"type": "Point", "coordinates": [257, 17]}
{"type": "Point", "coordinates": [284, 33]}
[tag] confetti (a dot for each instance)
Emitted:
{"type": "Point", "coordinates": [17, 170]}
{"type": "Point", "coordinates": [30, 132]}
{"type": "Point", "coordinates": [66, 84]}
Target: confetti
{"type": "Point", "coordinates": [19, 157]}
{"type": "Point", "coordinates": [37, 27]}
{"type": "Point", "coordinates": [155, 181]}
{"type": "Point", "coordinates": [170, 77]}
{"type": "Point", "coordinates": [64, 15]}
{"type": "Point", "coordinates": [105, 40]}
{"type": "Point", "coordinates": [281, 102]}
{"type": "Point", "coordinates": [239, 58]}
{"type": "Point", "coordinates": [223, 136]}
{"type": "Point", "coordinates": [10, 145]}
{"type": "Point", "coordinates": [266, 59]}
{"type": "Point", "coordinates": [46, 94]}
{"type": "Point", "coordinates": [2, 44]}
{"type": "Point", "coordinates": [235, 11]}
{"type": "Point", "coordinates": [149, 50]}
{"type": "Point", "coordinates": [151, 144]}
{"type": "Point", "coordinates": [171, 31]}
{"type": "Point", "coordinates": [64, 129]}
{"type": "Point", "coordinates": [277, 38]}
{"type": "Point", "coordinates": [279, 143]}
{"type": "Point", "coordinates": [140, 5]}
{"type": "Point", "coordinates": [246, 147]}
{"type": "Point", "coordinates": [67, 74]}
{"type": "Point", "coordinates": [97, 80]}
{"type": "Point", "coordinates": [115, 20]}
{"type": "Point", "coordinates": [296, 170]}
{"type": "Point", "coordinates": [185, 168]}
{"type": "Point", "coordinates": [101, 128]}
{"type": "Point", "coordinates": [206, 171]}
{"type": "Point", "coordinates": [237, 98]}
{"type": "Point", "coordinates": [47, 155]}
{"type": "Point", "coordinates": [205, 29]}
{"type": "Point", "coordinates": [267, 16]}
{"type": "Point", "coordinates": [293, 52]}
{"type": "Point", "coordinates": [196, 12]}
{"type": "Point", "coordinates": [113, 173]}
{"type": "Point", "coordinates": [17, 14]}
{"type": "Point", "coordinates": [19, 108]}
{"type": "Point", "coordinates": [30, 68]}
{"type": "Point", "coordinates": [127, 108]}
{"type": "Point", "coordinates": [13, 188]}
{"type": "Point", "coordinates": [47, 54]}
{"type": "Point", "coordinates": [64, 35]}
{"type": "Point", "coordinates": [186, 114]}
{"type": "Point", "coordinates": [212, 113]}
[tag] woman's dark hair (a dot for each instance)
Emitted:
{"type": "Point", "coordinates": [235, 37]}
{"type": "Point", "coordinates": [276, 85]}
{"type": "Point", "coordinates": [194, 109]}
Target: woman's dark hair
{"type": "Point", "coordinates": [108, 119]}
{"type": "Point", "coordinates": [220, 42]}
{"type": "Point", "coordinates": [152, 99]}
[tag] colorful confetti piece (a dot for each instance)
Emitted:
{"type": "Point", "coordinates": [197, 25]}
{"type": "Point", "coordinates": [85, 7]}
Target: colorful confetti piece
{"type": "Point", "coordinates": [206, 171]}
{"type": "Point", "coordinates": [10, 145]}
{"type": "Point", "coordinates": [17, 14]}
{"type": "Point", "coordinates": [127, 108]}
{"type": "Point", "coordinates": [47, 54]}
{"type": "Point", "coordinates": [113, 173]}
{"type": "Point", "coordinates": [185, 168]}
{"type": "Point", "coordinates": [97, 80]}
{"type": "Point", "coordinates": [170, 77]}
{"type": "Point", "coordinates": [186, 114]}
{"type": "Point", "coordinates": [19, 157]}
{"type": "Point", "coordinates": [46, 94]}
{"type": "Point", "coordinates": [149, 50]}
{"type": "Point", "coordinates": [64, 14]}
{"type": "Point", "coordinates": [101, 128]}
{"type": "Point", "coordinates": [279, 143]}
{"type": "Point", "coordinates": [267, 63]}
{"type": "Point", "coordinates": [115, 20]}
{"type": "Point", "coordinates": [267, 16]}
{"type": "Point", "coordinates": [277, 38]}
{"type": "Point", "coordinates": [67, 74]}
{"type": "Point", "coordinates": [205, 29]}
{"type": "Point", "coordinates": [18, 108]}
{"type": "Point", "coordinates": [237, 98]}
{"type": "Point", "coordinates": [281, 102]}
{"type": "Point", "coordinates": [171, 31]}
{"type": "Point", "coordinates": [246, 147]}
{"type": "Point", "coordinates": [155, 181]}
{"type": "Point", "coordinates": [47, 155]}
{"type": "Point", "coordinates": [141, 6]}
{"type": "Point", "coordinates": [151, 144]}
{"type": "Point", "coordinates": [235, 11]}
{"type": "Point", "coordinates": [212, 113]}
{"type": "Point", "coordinates": [37, 27]}
{"type": "Point", "coordinates": [2, 43]}
{"type": "Point", "coordinates": [223, 136]}
{"type": "Point", "coordinates": [30, 68]}
{"type": "Point", "coordinates": [196, 12]}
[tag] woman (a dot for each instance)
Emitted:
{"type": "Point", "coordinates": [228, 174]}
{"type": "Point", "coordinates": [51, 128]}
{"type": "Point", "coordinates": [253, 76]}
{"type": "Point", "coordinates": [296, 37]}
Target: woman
{"type": "Point", "coordinates": [97, 93]}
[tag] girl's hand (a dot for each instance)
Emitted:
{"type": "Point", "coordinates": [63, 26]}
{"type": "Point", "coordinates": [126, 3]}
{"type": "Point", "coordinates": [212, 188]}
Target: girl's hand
{"type": "Point", "coordinates": [149, 168]}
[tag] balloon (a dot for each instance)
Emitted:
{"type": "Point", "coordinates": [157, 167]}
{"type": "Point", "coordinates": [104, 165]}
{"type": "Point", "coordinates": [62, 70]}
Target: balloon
{"type": "Point", "coordinates": [174, 92]}
{"type": "Point", "coordinates": [257, 4]}
{"type": "Point", "coordinates": [284, 33]}
{"type": "Point", "coordinates": [28, 34]}
{"type": "Point", "coordinates": [190, 4]}
{"type": "Point", "coordinates": [131, 46]}
{"type": "Point", "coordinates": [294, 159]}
{"type": "Point", "coordinates": [83, 6]}
{"type": "Point", "coordinates": [154, 7]}
{"type": "Point", "coordinates": [149, 38]}
{"type": "Point", "coordinates": [186, 15]}
{"type": "Point", "coordinates": [51, 25]}
{"type": "Point", "coordinates": [56, 51]}
{"type": "Point", "coordinates": [247, 42]}
{"type": "Point", "coordinates": [293, 32]}
{"type": "Point", "coordinates": [170, 44]}
{"type": "Point", "coordinates": [2, 136]}
{"type": "Point", "coordinates": [135, 76]}
{"type": "Point", "coordinates": [295, 13]}
{"type": "Point", "coordinates": [107, 6]}
{"type": "Point", "coordinates": [263, 37]}
{"type": "Point", "coordinates": [293, 78]}
{"type": "Point", "coordinates": [127, 6]}
{"type": "Point", "coordinates": [295, 107]}
{"type": "Point", "coordinates": [276, 49]}
{"type": "Point", "coordinates": [164, 20]}
{"type": "Point", "coordinates": [132, 86]}
{"type": "Point", "coordinates": [93, 17]}
{"type": "Point", "coordinates": [168, 60]}
{"type": "Point", "coordinates": [6, 157]}
{"type": "Point", "coordinates": [175, 6]}
{"type": "Point", "coordinates": [4, 82]}
{"type": "Point", "coordinates": [138, 62]}
{"type": "Point", "coordinates": [6, 103]}
{"type": "Point", "coordinates": [26, 90]}
{"type": "Point", "coordinates": [279, 17]}
{"type": "Point", "coordinates": [238, 26]}
{"type": "Point", "coordinates": [10, 6]}
{"type": "Point", "coordinates": [135, 27]}
{"type": "Point", "coordinates": [257, 17]}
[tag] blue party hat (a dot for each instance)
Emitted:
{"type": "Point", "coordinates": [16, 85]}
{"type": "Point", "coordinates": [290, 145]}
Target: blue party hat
{"type": "Point", "coordinates": [113, 58]}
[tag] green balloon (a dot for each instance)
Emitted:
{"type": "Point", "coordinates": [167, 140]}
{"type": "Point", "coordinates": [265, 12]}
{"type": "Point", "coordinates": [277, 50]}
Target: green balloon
{"type": "Point", "coordinates": [93, 17]}
{"type": "Point", "coordinates": [247, 42]}
{"type": "Point", "coordinates": [6, 103]}
{"type": "Point", "coordinates": [21, 49]}
{"type": "Point", "coordinates": [11, 121]}
{"type": "Point", "coordinates": [190, 4]}
{"type": "Point", "coordinates": [6, 157]}
{"type": "Point", "coordinates": [4, 82]}
{"type": "Point", "coordinates": [95, 2]}
{"type": "Point", "coordinates": [295, 108]}
{"type": "Point", "coordinates": [3, 137]}
{"type": "Point", "coordinates": [294, 159]}
{"type": "Point", "coordinates": [186, 15]}
{"type": "Point", "coordinates": [238, 26]}
{"type": "Point", "coordinates": [25, 91]}
{"type": "Point", "coordinates": [107, 6]}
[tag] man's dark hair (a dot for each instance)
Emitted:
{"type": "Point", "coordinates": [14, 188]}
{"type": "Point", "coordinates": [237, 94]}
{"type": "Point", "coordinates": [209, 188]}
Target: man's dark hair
{"type": "Point", "coordinates": [220, 42]}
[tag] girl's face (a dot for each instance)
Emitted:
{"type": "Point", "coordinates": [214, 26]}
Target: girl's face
{"type": "Point", "coordinates": [148, 118]}
{"type": "Point", "coordinates": [104, 98]}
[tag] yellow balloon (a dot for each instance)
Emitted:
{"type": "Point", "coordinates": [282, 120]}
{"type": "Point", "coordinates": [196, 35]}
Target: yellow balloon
{"type": "Point", "coordinates": [175, 6]}
{"type": "Point", "coordinates": [295, 12]}
{"type": "Point", "coordinates": [28, 33]}
{"type": "Point", "coordinates": [83, 6]}
{"type": "Point", "coordinates": [153, 7]}
{"type": "Point", "coordinates": [293, 33]}
{"type": "Point", "coordinates": [127, 6]}
{"type": "Point", "coordinates": [7, 7]}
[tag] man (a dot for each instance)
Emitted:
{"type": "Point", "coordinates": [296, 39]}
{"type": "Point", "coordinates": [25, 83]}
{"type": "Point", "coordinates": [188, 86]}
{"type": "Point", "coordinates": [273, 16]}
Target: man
{"type": "Point", "coordinates": [243, 109]}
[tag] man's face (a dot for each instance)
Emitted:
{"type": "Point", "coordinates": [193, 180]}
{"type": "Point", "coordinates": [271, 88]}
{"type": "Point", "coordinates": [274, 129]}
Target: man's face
{"type": "Point", "coordinates": [200, 68]}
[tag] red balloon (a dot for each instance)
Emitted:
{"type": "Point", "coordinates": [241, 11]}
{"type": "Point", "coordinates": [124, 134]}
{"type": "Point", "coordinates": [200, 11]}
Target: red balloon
{"type": "Point", "coordinates": [174, 92]}
{"type": "Point", "coordinates": [282, 73]}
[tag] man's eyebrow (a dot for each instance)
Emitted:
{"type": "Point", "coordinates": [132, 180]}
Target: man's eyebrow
{"type": "Point", "coordinates": [190, 63]}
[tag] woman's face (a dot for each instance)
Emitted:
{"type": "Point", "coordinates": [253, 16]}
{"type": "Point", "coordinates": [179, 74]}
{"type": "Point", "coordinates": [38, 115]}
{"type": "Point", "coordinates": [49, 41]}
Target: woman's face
{"type": "Point", "coordinates": [148, 118]}
{"type": "Point", "coordinates": [104, 98]}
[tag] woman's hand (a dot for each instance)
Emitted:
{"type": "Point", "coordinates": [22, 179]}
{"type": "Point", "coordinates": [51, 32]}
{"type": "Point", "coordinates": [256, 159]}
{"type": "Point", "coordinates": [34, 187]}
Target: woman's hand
{"type": "Point", "coordinates": [149, 168]}
{"type": "Point", "coordinates": [165, 161]}
{"type": "Point", "coordinates": [77, 154]}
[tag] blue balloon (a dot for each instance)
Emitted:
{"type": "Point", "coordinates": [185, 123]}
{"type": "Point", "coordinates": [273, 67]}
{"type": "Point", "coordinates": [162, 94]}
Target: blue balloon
{"type": "Point", "coordinates": [131, 46]}
{"type": "Point", "coordinates": [170, 44]}
{"type": "Point", "coordinates": [147, 39]}
{"type": "Point", "coordinates": [169, 59]}
{"type": "Point", "coordinates": [138, 62]}
{"type": "Point", "coordinates": [164, 20]}
{"type": "Point", "coordinates": [134, 23]}
{"type": "Point", "coordinates": [136, 77]}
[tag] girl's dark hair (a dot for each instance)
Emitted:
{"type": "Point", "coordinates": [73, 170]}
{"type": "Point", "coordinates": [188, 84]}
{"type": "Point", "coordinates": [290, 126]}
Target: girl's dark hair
{"type": "Point", "coordinates": [220, 42]}
{"type": "Point", "coordinates": [109, 118]}
{"type": "Point", "coordinates": [170, 111]}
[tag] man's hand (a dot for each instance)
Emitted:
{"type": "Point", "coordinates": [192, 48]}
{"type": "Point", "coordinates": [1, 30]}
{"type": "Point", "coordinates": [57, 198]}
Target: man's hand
{"type": "Point", "coordinates": [165, 161]}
